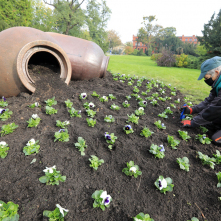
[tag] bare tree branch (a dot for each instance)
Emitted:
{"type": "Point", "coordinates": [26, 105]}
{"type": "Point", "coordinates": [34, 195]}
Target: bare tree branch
{"type": "Point", "coordinates": [49, 4]}
{"type": "Point", "coordinates": [79, 5]}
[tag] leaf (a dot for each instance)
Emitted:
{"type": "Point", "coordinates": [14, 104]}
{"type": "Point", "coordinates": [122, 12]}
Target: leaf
{"type": "Point", "coordinates": [46, 213]}
{"type": "Point", "coordinates": [169, 180]}
{"type": "Point", "coordinates": [43, 179]}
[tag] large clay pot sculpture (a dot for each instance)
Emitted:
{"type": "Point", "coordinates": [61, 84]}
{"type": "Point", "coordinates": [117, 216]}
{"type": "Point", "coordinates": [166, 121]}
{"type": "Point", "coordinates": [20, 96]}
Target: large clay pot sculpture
{"type": "Point", "coordinates": [78, 59]}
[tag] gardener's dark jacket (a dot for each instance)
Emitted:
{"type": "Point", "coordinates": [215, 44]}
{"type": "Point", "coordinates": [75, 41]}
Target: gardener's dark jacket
{"type": "Point", "coordinates": [209, 111]}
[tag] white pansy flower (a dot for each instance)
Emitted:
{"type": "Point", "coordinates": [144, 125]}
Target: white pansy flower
{"type": "Point", "coordinates": [36, 104]}
{"type": "Point", "coordinates": [141, 108]}
{"type": "Point", "coordinates": [49, 169]}
{"type": "Point", "coordinates": [133, 169]}
{"type": "Point", "coordinates": [83, 95]}
{"type": "Point", "coordinates": [162, 184]}
{"type": "Point", "coordinates": [135, 219]}
{"type": "Point", "coordinates": [34, 116]}
{"type": "Point", "coordinates": [31, 142]}
{"type": "Point", "coordinates": [168, 108]}
{"type": "Point", "coordinates": [178, 99]}
{"type": "Point", "coordinates": [67, 122]}
{"type": "Point", "coordinates": [3, 143]}
{"type": "Point", "coordinates": [1, 205]}
{"type": "Point", "coordinates": [106, 198]}
{"type": "Point", "coordinates": [61, 209]}
{"type": "Point", "coordinates": [126, 102]}
{"type": "Point", "coordinates": [91, 104]}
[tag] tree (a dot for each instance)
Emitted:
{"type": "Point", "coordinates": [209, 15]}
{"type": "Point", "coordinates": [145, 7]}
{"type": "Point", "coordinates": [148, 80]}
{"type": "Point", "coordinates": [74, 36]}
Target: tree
{"type": "Point", "coordinates": [128, 50]}
{"type": "Point", "coordinates": [15, 13]}
{"type": "Point", "coordinates": [114, 39]}
{"type": "Point", "coordinates": [167, 32]}
{"type": "Point", "coordinates": [70, 17]}
{"type": "Point", "coordinates": [211, 36]}
{"type": "Point", "coordinates": [129, 43]}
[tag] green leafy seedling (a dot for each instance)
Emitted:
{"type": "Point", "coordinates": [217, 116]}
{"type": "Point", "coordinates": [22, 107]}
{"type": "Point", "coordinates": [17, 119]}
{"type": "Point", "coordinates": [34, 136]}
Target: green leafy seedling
{"type": "Point", "coordinates": [51, 102]}
{"type": "Point", "coordinates": [146, 132]}
{"type": "Point", "coordinates": [62, 135]}
{"type": "Point", "coordinates": [132, 170]}
{"type": "Point", "coordinates": [142, 217]}
{"type": "Point", "coordinates": [91, 122]}
{"type": "Point", "coordinates": [184, 163]}
{"type": "Point", "coordinates": [6, 115]}
{"type": "Point", "coordinates": [184, 135]}
{"type": "Point", "coordinates": [172, 142]}
{"type": "Point", "coordinates": [51, 110]}
{"type": "Point", "coordinates": [8, 129]}
{"type": "Point", "coordinates": [132, 118]}
{"type": "Point", "coordinates": [207, 160]}
{"type": "Point", "coordinates": [81, 145]}
{"type": "Point", "coordinates": [9, 211]}
{"type": "Point", "coordinates": [95, 162]}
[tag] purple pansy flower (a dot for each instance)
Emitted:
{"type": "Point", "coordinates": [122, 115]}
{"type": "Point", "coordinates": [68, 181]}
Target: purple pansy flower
{"type": "Point", "coordinates": [107, 136]}
{"type": "Point", "coordinates": [3, 98]}
{"type": "Point", "coordinates": [128, 127]}
{"type": "Point", "coordinates": [61, 130]}
{"type": "Point", "coordinates": [79, 112]}
{"type": "Point", "coordinates": [106, 198]}
{"type": "Point", "coordinates": [2, 111]}
{"type": "Point", "coordinates": [162, 148]}
{"type": "Point", "coordinates": [144, 102]}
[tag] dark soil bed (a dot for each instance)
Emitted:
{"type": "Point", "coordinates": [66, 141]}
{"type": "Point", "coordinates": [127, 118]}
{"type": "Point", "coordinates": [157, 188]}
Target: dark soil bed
{"type": "Point", "coordinates": [195, 192]}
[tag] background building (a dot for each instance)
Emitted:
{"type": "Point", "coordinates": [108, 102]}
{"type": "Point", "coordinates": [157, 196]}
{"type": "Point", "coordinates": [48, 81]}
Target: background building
{"type": "Point", "coordinates": [189, 39]}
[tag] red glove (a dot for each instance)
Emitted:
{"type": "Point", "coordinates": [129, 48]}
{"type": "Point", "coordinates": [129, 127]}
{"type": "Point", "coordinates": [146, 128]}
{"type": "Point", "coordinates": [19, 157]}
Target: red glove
{"type": "Point", "coordinates": [186, 123]}
{"type": "Point", "coordinates": [187, 109]}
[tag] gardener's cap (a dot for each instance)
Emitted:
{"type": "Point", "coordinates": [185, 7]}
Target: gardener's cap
{"type": "Point", "coordinates": [208, 65]}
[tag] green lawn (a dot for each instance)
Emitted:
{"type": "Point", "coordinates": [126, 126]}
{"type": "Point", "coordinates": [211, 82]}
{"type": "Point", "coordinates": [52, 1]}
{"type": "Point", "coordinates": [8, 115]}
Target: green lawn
{"type": "Point", "coordinates": [182, 78]}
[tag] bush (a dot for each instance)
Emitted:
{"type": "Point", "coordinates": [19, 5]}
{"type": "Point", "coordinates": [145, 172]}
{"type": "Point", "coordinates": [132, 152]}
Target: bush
{"type": "Point", "coordinates": [128, 50]}
{"type": "Point", "coordinates": [154, 57]}
{"type": "Point", "coordinates": [134, 52]}
{"type": "Point", "coordinates": [182, 60]}
{"type": "Point", "coordinates": [167, 59]}
{"type": "Point", "coordinates": [115, 52]}
{"type": "Point", "coordinates": [141, 53]}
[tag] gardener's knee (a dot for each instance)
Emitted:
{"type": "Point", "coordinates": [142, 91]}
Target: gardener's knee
{"type": "Point", "coordinates": [216, 138]}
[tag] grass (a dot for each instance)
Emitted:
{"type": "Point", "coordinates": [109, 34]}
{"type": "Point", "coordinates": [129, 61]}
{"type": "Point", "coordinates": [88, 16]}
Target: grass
{"type": "Point", "coordinates": [183, 79]}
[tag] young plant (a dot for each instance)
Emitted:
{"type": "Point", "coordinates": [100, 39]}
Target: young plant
{"type": "Point", "coordinates": [5, 114]}
{"type": "Point", "coordinates": [172, 105]}
{"type": "Point", "coordinates": [154, 102]}
{"type": "Point", "coordinates": [51, 102]}
{"type": "Point", "coordinates": [95, 162]}
{"type": "Point", "coordinates": [219, 179]}
{"type": "Point", "coordinates": [3, 149]}
{"type": "Point", "coordinates": [74, 113]}
{"type": "Point", "coordinates": [83, 96]}
{"type": "Point", "coordinates": [132, 170]}
{"type": "Point", "coordinates": [184, 135]}
{"type": "Point", "coordinates": [52, 176]}
{"type": "Point", "coordinates": [51, 110]}
{"type": "Point", "coordinates": [68, 104]}
{"type": "Point", "coordinates": [160, 125]}
{"type": "Point", "coordinates": [110, 139]}
{"type": "Point", "coordinates": [31, 147]}
{"type": "Point", "coordinates": [115, 79]}
{"type": "Point", "coordinates": [142, 217]}
{"type": "Point", "coordinates": [91, 113]}
{"type": "Point", "coordinates": [101, 199]}
{"type": "Point", "coordinates": [128, 97]}
{"type": "Point", "coordinates": [104, 99]}
{"type": "Point", "coordinates": [125, 104]}
{"type": "Point", "coordinates": [132, 118]}
{"type": "Point", "coordinates": [188, 117]}
{"type": "Point", "coordinates": [3, 102]}
{"type": "Point", "coordinates": [217, 157]}
{"type": "Point", "coordinates": [88, 105]}
{"type": "Point", "coordinates": [150, 98]}
{"type": "Point", "coordinates": [114, 107]}
{"type": "Point", "coordinates": [36, 104]}
{"type": "Point", "coordinates": [161, 99]}
{"type": "Point", "coordinates": [34, 120]}
{"type": "Point", "coordinates": [203, 139]}
{"type": "Point", "coordinates": [138, 98]}
{"type": "Point", "coordinates": [81, 145]}
{"type": "Point", "coordinates": [136, 90]}
{"type": "Point", "coordinates": [172, 142]}
{"type": "Point", "coordinates": [157, 151]}
{"type": "Point", "coordinates": [193, 219]}
{"type": "Point", "coordinates": [169, 98]}
{"type": "Point", "coordinates": [184, 163]}
{"type": "Point", "coordinates": [142, 103]}
{"type": "Point", "coordinates": [168, 111]}
{"type": "Point", "coordinates": [57, 215]}
{"type": "Point", "coordinates": [109, 119]}
{"type": "Point", "coordinates": [207, 160]}
{"type": "Point", "coordinates": [173, 93]}
{"type": "Point", "coordinates": [163, 115]}
{"type": "Point", "coordinates": [111, 96]}
{"type": "Point", "coordinates": [140, 111]}
{"type": "Point", "coordinates": [129, 83]}
{"type": "Point", "coordinates": [144, 93]}
{"type": "Point", "coordinates": [146, 132]}
{"type": "Point", "coordinates": [164, 185]}
{"type": "Point", "coordinates": [177, 101]}
{"type": "Point", "coordinates": [203, 129]}
{"type": "Point", "coordinates": [128, 129]}
{"type": "Point", "coordinates": [94, 94]}
{"type": "Point", "coordinates": [8, 129]}
{"type": "Point", "coordinates": [62, 135]}
{"type": "Point", "coordinates": [8, 211]}
{"type": "Point", "coordinates": [155, 94]}
{"type": "Point", "coordinates": [135, 95]}
{"type": "Point", "coordinates": [91, 122]}
{"type": "Point", "coordinates": [189, 104]}
{"type": "Point", "coordinates": [62, 125]}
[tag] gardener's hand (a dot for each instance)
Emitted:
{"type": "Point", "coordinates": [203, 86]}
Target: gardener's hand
{"type": "Point", "coordinates": [187, 109]}
{"type": "Point", "coordinates": [186, 123]}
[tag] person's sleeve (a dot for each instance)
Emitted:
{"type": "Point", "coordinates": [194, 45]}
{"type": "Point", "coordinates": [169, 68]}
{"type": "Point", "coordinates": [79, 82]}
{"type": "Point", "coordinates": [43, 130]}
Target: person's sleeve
{"type": "Point", "coordinates": [208, 114]}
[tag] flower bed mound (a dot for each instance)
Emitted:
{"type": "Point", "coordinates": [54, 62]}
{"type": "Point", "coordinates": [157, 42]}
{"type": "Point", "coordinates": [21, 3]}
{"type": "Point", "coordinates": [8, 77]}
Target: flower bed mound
{"type": "Point", "coordinates": [194, 193]}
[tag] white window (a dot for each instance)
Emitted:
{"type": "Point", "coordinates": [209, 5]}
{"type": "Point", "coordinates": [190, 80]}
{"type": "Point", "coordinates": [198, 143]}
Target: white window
{"type": "Point", "coordinates": [186, 39]}
{"type": "Point", "coordinates": [190, 39]}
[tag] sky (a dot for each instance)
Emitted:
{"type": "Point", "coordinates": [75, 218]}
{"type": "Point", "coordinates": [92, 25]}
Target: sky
{"type": "Point", "coordinates": [187, 16]}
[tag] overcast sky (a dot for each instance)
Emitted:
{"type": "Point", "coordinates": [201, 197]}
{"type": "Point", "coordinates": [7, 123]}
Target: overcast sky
{"type": "Point", "coordinates": [187, 16]}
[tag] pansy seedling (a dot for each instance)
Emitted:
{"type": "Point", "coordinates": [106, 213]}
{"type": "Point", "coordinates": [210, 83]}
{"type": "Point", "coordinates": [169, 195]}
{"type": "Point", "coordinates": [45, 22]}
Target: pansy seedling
{"type": "Point", "coordinates": [3, 102]}
{"type": "Point", "coordinates": [193, 219]}
{"type": "Point", "coordinates": [51, 110]}
{"type": "Point", "coordinates": [217, 157]}
{"type": "Point", "coordinates": [177, 101]}
{"type": "Point", "coordinates": [3, 149]}
{"type": "Point", "coordinates": [83, 96]}
{"type": "Point", "coordinates": [155, 94]}
{"type": "Point", "coordinates": [8, 129]}
{"type": "Point", "coordinates": [128, 97]}
{"type": "Point", "coordinates": [8, 211]}
{"type": "Point", "coordinates": [94, 94]}
{"type": "Point", "coordinates": [203, 129]}
{"type": "Point", "coordinates": [184, 163]}
{"type": "Point", "coordinates": [160, 125]}
{"type": "Point", "coordinates": [34, 121]}
{"type": "Point", "coordinates": [172, 105]}
{"type": "Point", "coordinates": [140, 111]}
{"type": "Point", "coordinates": [129, 83]}
{"type": "Point", "coordinates": [150, 98]}
{"type": "Point", "coordinates": [122, 81]}
{"type": "Point", "coordinates": [184, 135]}
{"type": "Point", "coordinates": [136, 90]}
{"type": "Point", "coordinates": [62, 135]}
{"type": "Point", "coordinates": [114, 107]}
{"type": "Point", "coordinates": [51, 102]}
{"type": "Point", "coordinates": [138, 98]}
{"type": "Point", "coordinates": [126, 104]}
{"type": "Point", "coordinates": [189, 104]}
{"type": "Point", "coordinates": [91, 122]}
{"type": "Point", "coordinates": [31, 147]}
{"type": "Point", "coordinates": [57, 215]}
{"type": "Point", "coordinates": [161, 99]}
{"type": "Point", "coordinates": [169, 98]}
{"type": "Point", "coordinates": [146, 132]}
{"type": "Point", "coordinates": [81, 145]}
{"type": "Point", "coordinates": [164, 185]}
{"type": "Point", "coordinates": [111, 96]}
{"type": "Point", "coordinates": [163, 115]}
{"type": "Point", "coordinates": [115, 79]}
{"type": "Point", "coordinates": [135, 95]}
{"type": "Point", "coordinates": [5, 114]}
{"type": "Point", "coordinates": [219, 179]}
{"type": "Point", "coordinates": [132, 118]}
{"type": "Point", "coordinates": [68, 104]}
{"type": "Point", "coordinates": [91, 113]}
{"type": "Point", "coordinates": [62, 124]}
{"type": "Point", "coordinates": [104, 99]}
{"type": "Point", "coordinates": [128, 129]}
{"type": "Point", "coordinates": [52, 176]}
{"type": "Point", "coordinates": [110, 139]}
{"type": "Point", "coordinates": [168, 111]}
{"type": "Point", "coordinates": [101, 199]}
{"type": "Point", "coordinates": [154, 102]}
{"type": "Point", "coordinates": [172, 142]}
{"type": "Point", "coordinates": [157, 151]}
{"type": "Point", "coordinates": [207, 160]}
{"type": "Point", "coordinates": [144, 93]}
{"type": "Point", "coordinates": [203, 139]}
{"type": "Point", "coordinates": [173, 93]}
{"type": "Point", "coordinates": [142, 217]}
{"type": "Point", "coordinates": [142, 103]}
{"type": "Point", "coordinates": [109, 119]}
{"type": "Point", "coordinates": [132, 170]}
{"type": "Point", "coordinates": [36, 104]}
{"type": "Point", "coordinates": [95, 162]}
{"type": "Point", "coordinates": [74, 113]}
